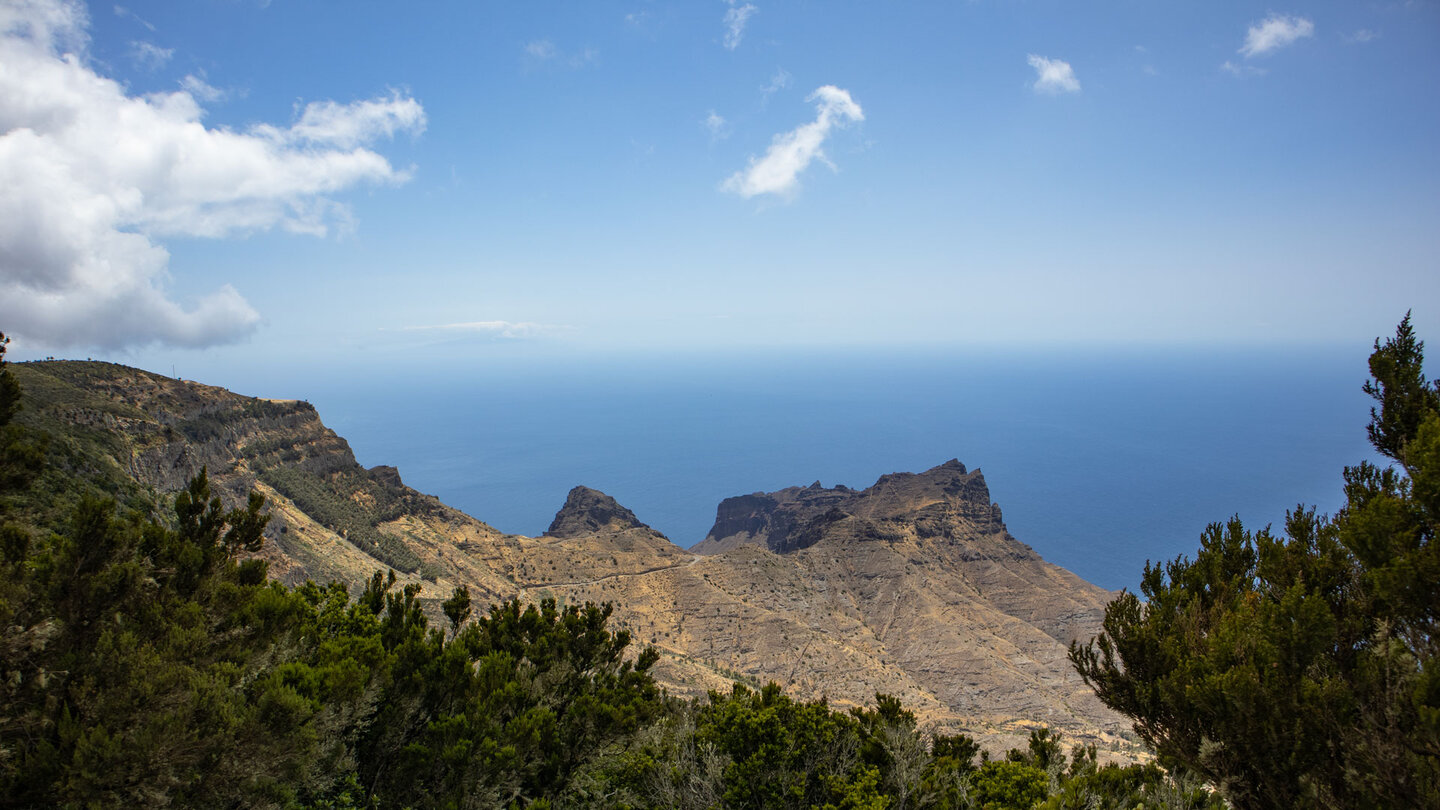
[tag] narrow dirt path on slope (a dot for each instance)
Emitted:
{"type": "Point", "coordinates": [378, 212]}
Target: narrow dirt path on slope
{"type": "Point", "coordinates": [640, 573]}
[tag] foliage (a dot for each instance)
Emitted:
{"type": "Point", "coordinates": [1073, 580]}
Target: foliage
{"type": "Point", "coordinates": [9, 388]}
{"type": "Point", "coordinates": [506, 711]}
{"type": "Point", "coordinates": [1001, 785]}
{"type": "Point", "coordinates": [144, 661]}
{"type": "Point", "coordinates": [350, 503]}
{"type": "Point", "coordinates": [1086, 785]}
{"type": "Point", "coordinates": [1300, 670]}
{"type": "Point", "coordinates": [151, 663]}
{"type": "Point", "coordinates": [1406, 400]}
{"type": "Point", "coordinates": [782, 752]}
{"type": "Point", "coordinates": [131, 655]}
{"type": "Point", "coordinates": [762, 749]}
{"type": "Point", "coordinates": [20, 453]}
{"type": "Point", "coordinates": [72, 444]}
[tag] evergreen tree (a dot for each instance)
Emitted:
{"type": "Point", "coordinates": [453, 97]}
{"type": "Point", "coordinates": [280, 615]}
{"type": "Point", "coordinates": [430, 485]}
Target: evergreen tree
{"type": "Point", "coordinates": [20, 452]}
{"type": "Point", "coordinates": [150, 663]}
{"type": "Point", "coordinates": [1299, 670]}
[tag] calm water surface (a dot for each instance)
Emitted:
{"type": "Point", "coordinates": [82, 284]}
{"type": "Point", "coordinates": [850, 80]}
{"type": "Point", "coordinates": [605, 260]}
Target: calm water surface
{"type": "Point", "coordinates": [1099, 462]}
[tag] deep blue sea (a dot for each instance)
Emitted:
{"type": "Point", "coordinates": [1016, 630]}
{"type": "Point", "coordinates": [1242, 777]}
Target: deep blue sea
{"type": "Point", "coordinates": [1099, 461]}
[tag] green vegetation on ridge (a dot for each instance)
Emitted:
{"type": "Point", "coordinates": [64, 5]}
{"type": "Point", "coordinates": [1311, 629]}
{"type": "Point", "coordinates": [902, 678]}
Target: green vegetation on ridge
{"type": "Point", "coordinates": [349, 503]}
{"type": "Point", "coordinates": [89, 454]}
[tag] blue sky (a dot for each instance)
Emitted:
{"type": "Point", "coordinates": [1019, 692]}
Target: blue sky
{"type": "Point", "coordinates": [234, 182]}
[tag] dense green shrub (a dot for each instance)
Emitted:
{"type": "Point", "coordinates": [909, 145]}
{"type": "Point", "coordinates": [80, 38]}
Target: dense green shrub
{"type": "Point", "coordinates": [1301, 670]}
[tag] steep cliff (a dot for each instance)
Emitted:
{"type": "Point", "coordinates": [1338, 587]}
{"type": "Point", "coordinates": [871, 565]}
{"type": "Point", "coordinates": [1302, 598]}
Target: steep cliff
{"type": "Point", "coordinates": [911, 587]}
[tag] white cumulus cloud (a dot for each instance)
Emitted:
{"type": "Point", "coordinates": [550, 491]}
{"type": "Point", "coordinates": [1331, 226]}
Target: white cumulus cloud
{"type": "Point", "coordinates": [1274, 32]}
{"type": "Point", "coordinates": [1053, 75]}
{"type": "Point", "coordinates": [735, 19]}
{"type": "Point", "coordinates": [791, 152]}
{"type": "Point", "coordinates": [347, 126]}
{"type": "Point", "coordinates": [92, 178]}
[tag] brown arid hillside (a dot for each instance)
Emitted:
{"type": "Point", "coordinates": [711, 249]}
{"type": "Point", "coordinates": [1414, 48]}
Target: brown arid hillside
{"type": "Point", "coordinates": [912, 587]}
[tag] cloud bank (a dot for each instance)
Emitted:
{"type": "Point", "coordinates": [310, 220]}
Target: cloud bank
{"type": "Point", "coordinates": [1273, 33]}
{"type": "Point", "coordinates": [91, 178]}
{"type": "Point", "coordinates": [791, 152]}
{"type": "Point", "coordinates": [1053, 75]}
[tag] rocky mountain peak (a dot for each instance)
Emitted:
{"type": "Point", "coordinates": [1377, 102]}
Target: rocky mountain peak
{"type": "Point", "coordinates": [945, 500]}
{"type": "Point", "coordinates": [911, 586]}
{"type": "Point", "coordinates": [900, 495]}
{"type": "Point", "coordinates": [588, 511]}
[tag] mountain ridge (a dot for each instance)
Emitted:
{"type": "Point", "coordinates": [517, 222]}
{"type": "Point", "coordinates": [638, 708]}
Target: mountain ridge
{"type": "Point", "coordinates": [911, 587]}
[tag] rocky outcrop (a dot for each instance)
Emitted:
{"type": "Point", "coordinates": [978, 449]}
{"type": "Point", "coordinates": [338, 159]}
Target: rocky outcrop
{"type": "Point", "coordinates": [386, 475]}
{"type": "Point", "coordinates": [912, 587]}
{"type": "Point", "coordinates": [589, 511]}
{"type": "Point", "coordinates": [158, 432]}
{"type": "Point", "coordinates": [772, 519]}
{"type": "Point", "coordinates": [945, 501]}
{"type": "Point", "coordinates": [931, 582]}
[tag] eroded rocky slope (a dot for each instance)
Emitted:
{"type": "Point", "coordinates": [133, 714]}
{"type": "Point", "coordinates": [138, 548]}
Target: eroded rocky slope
{"type": "Point", "coordinates": [911, 587]}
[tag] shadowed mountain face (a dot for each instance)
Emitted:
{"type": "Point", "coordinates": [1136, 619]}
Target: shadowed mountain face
{"type": "Point", "coordinates": [911, 587]}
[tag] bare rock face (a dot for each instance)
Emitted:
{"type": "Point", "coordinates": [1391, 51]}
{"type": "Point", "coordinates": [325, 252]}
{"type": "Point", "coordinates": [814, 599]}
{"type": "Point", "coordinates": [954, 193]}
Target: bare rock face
{"type": "Point", "coordinates": [590, 511]}
{"type": "Point", "coordinates": [919, 573]}
{"type": "Point", "coordinates": [945, 501]}
{"type": "Point", "coordinates": [912, 587]}
{"type": "Point", "coordinates": [387, 476]}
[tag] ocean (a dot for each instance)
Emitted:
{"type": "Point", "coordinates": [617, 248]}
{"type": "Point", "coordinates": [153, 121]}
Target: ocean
{"type": "Point", "coordinates": [1098, 461]}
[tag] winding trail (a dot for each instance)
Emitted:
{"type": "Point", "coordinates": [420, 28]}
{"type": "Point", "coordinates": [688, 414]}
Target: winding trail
{"type": "Point", "coordinates": [643, 572]}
